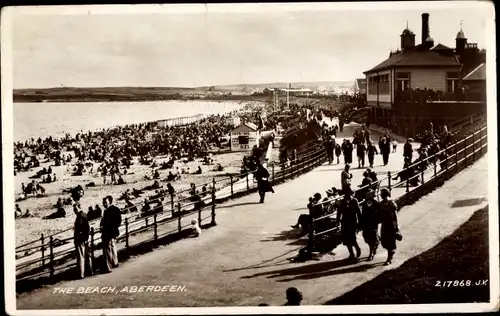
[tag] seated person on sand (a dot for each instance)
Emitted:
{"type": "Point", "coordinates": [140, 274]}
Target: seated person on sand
{"type": "Point", "coordinates": [28, 214]}
{"type": "Point", "coordinates": [18, 213]}
{"type": "Point", "coordinates": [171, 176]}
{"type": "Point", "coordinates": [156, 175]}
{"type": "Point", "coordinates": [198, 171]}
{"type": "Point", "coordinates": [120, 180]}
{"type": "Point", "coordinates": [195, 228]}
{"type": "Point", "coordinates": [60, 213]}
{"type": "Point", "coordinates": [130, 207]}
{"type": "Point", "coordinates": [146, 208]}
{"type": "Point", "coordinates": [136, 192]}
{"type": "Point", "coordinates": [218, 168]}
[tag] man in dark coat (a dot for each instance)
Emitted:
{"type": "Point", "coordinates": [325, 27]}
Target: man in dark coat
{"type": "Point", "coordinates": [369, 222]}
{"type": "Point", "coordinates": [361, 151]}
{"type": "Point", "coordinates": [408, 150]}
{"type": "Point", "coordinates": [329, 147]}
{"type": "Point", "coordinates": [385, 149]}
{"type": "Point", "coordinates": [81, 238]}
{"type": "Point", "coordinates": [263, 185]}
{"type": "Point", "coordinates": [338, 151]}
{"type": "Point", "coordinates": [372, 151]}
{"type": "Point", "coordinates": [110, 224]}
{"type": "Point", "coordinates": [349, 214]}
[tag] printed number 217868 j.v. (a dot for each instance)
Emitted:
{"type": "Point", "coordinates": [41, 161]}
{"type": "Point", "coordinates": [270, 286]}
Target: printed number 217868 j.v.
{"type": "Point", "coordinates": [460, 283]}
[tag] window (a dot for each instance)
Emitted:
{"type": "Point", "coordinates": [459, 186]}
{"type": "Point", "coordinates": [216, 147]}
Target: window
{"type": "Point", "coordinates": [384, 84]}
{"type": "Point", "coordinates": [402, 81]}
{"type": "Point", "coordinates": [452, 81]}
{"type": "Point", "coordinates": [243, 140]}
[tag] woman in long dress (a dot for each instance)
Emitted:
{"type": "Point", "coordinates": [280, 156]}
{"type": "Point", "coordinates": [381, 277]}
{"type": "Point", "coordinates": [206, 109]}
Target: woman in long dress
{"type": "Point", "coordinates": [389, 229]}
{"type": "Point", "coordinates": [369, 222]}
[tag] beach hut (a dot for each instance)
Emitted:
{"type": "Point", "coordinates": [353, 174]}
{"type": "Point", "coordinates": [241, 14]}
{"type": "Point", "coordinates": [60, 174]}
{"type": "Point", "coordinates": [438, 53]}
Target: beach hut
{"type": "Point", "coordinates": [244, 137]}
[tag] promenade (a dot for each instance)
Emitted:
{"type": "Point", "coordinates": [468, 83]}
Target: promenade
{"type": "Point", "coordinates": [244, 261]}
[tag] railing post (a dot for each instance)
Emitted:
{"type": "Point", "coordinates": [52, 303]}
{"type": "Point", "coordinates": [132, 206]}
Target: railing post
{"type": "Point", "coordinates": [456, 156]}
{"type": "Point", "coordinates": [473, 145]}
{"type": "Point", "coordinates": [179, 226]}
{"type": "Point", "coordinates": [172, 202]}
{"type": "Point", "coordinates": [178, 213]}
{"type": "Point", "coordinates": [248, 185]}
{"type": "Point", "coordinates": [283, 171]}
{"type": "Point", "coordinates": [435, 172]}
{"type": "Point", "coordinates": [92, 245]}
{"type": "Point", "coordinates": [407, 184]}
{"type": "Point", "coordinates": [465, 151]}
{"type": "Point", "coordinates": [213, 205]}
{"type": "Point", "coordinates": [155, 226]}
{"type": "Point", "coordinates": [126, 234]}
{"type": "Point", "coordinates": [311, 231]}
{"type": "Point", "coordinates": [272, 170]}
{"type": "Point", "coordinates": [51, 240]}
{"type": "Point", "coordinates": [389, 180]}
{"type": "Point", "coordinates": [147, 221]}
{"type": "Point", "coordinates": [422, 172]}
{"type": "Point", "coordinates": [232, 192]}
{"type": "Point", "coordinates": [43, 250]}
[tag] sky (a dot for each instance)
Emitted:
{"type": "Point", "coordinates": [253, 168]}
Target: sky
{"type": "Point", "coordinates": [213, 47]}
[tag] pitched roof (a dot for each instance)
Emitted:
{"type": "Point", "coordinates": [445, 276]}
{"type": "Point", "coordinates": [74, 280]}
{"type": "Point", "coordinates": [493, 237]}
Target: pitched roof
{"type": "Point", "coordinates": [439, 46]}
{"type": "Point", "coordinates": [477, 74]}
{"type": "Point", "coordinates": [361, 83]}
{"type": "Point", "coordinates": [244, 128]}
{"type": "Point", "coordinates": [416, 57]}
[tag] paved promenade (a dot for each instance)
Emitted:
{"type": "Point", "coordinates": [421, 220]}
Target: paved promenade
{"type": "Point", "coordinates": [245, 259]}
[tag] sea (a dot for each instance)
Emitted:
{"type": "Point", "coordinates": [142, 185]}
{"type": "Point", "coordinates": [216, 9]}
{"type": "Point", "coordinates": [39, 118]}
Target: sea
{"type": "Point", "coordinates": [33, 120]}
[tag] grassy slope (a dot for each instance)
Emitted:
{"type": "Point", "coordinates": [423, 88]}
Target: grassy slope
{"type": "Point", "coordinates": [461, 256]}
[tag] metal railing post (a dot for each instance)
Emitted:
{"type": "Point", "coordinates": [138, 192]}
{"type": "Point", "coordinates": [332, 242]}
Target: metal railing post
{"type": "Point", "coordinates": [155, 226]}
{"type": "Point", "coordinates": [172, 202]}
{"type": "Point", "coordinates": [473, 145]}
{"type": "Point", "coordinates": [43, 250]}
{"type": "Point", "coordinates": [435, 172]}
{"type": "Point", "coordinates": [422, 172]}
{"type": "Point", "coordinates": [456, 156]}
{"type": "Point", "coordinates": [92, 245]}
{"type": "Point", "coordinates": [272, 170]}
{"type": "Point", "coordinates": [283, 172]}
{"type": "Point", "coordinates": [126, 234]}
{"type": "Point", "coordinates": [51, 240]}
{"type": "Point", "coordinates": [389, 180]}
{"type": "Point", "coordinates": [213, 205]}
{"type": "Point", "coordinates": [465, 151]}
{"type": "Point", "coordinates": [248, 185]}
{"type": "Point", "coordinates": [232, 192]}
{"type": "Point", "coordinates": [407, 184]}
{"type": "Point", "coordinates": [311, 231]}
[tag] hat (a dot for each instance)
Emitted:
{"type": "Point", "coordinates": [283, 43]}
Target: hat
{"type": "Point", "coordinates": [292, 292]}
{"type": "Point", "coordinates": [317, 196]}
{"type": "Point", "coordinates": [329, 192]}
{"type": "Point", "coordinates": [334, 190]}
{"type": "Point", "coordinates": [366, 174]}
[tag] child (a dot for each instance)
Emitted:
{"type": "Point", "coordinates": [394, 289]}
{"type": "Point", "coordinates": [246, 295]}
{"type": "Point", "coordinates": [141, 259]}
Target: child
{"type": "Point", "coordinates": [196, 228]}
{"type": "Point", "coordinates": [394, 146]}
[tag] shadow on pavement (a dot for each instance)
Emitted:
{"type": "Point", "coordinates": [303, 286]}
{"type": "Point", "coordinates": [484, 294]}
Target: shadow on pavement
{"type": "Point", "coordinates": [353, 269]}
{"type": "Point", "coordinates": [237, 204]}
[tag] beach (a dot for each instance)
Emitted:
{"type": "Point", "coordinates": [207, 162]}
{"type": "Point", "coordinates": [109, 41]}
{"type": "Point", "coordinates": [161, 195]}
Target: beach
{"type": "Point", "coordinates": [73, 118]}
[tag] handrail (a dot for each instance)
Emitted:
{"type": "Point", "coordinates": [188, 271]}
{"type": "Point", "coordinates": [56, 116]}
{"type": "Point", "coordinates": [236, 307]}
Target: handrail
{"type": "Point", "coordinates": [435, 156]}
{"type": "Point", "coordinates": [164, 216]}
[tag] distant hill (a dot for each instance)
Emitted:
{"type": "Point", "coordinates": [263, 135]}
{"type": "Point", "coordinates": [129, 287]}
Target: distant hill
{"type": "Point", "coordinates": [313, 85]}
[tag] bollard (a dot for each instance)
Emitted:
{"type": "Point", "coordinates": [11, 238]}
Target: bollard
{"type": "Point", "coordinates": [126, 234]}
{"type": "Point", "coordinates": [232, 192]}
{"type": "Point", "coordinates": [51, 240]}
{"type": "Point", "coordinates": [389, 180]}
{"type": "Point", "coordinates": [155, 227]}
{"type": "Point", "coordinates": [43, 251]}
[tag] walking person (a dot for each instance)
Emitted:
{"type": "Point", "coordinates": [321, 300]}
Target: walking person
{"type": "Point", "coordinates": [81, 240]}
{"type": "Point", "coordinates": [361, 151]}
{"type": "Point", "coordinates": [372, 151]}
{"type": "Point", "coordinates": [345, 178]}
{"type": "Point", "coordinates": [389, 231]}
{"type": "Point", "coordinates": [338, 151]}
{"type": "Point", "coordinates": [349, 214]}
{"type": "Point", "coordinates": [408, 150]}
{"type": "Point", "coordinates": [348, 151]}
{"type": "Point", "coordinates": [385, 150]}
{"type": "Point", "coordinates": [110, 224]}
{"type": "Point", "coordinates": [329, 147]}
{"type": "Point", "coordinates": [369, 222]}
{"type": "Point", "coordinates": [263, 185]}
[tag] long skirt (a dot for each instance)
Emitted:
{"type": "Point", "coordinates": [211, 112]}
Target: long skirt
{"type": "Point", "coordinates": [388, 238]}
{"type": "Point", "coordinates": [348, 235]}
{"type": "Point", "coordinates": [371, 237]}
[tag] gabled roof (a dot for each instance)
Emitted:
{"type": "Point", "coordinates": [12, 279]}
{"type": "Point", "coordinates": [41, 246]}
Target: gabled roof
{"type": "Point", "coordinates": [416, 57]}
{"type": "Point", "coordinates": [477, 74]}
{"type": "Point", "coordinates": [245, 128]}
{"type": "Point", "coordinates": [361, 83]}
{"type": "Point", "coordinates": [440, 47]}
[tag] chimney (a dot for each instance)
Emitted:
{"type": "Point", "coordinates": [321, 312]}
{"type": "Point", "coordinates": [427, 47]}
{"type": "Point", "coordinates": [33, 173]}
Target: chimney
{"type": "Point", "coordinates": [425, 26]}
